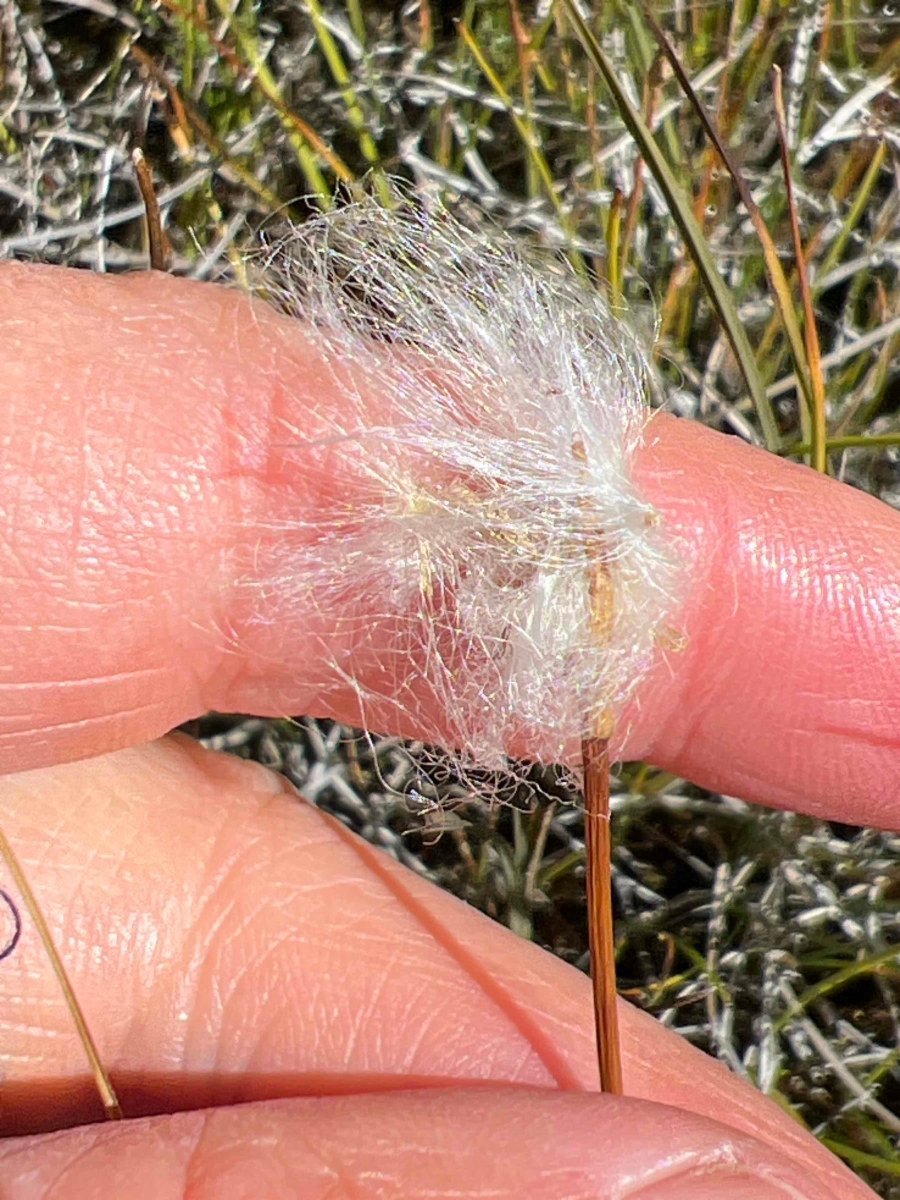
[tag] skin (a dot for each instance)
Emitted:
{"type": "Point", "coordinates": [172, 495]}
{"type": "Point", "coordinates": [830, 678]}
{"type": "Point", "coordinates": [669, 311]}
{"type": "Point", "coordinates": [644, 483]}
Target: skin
{"type": "Point", "coordinates": [287, 1012]}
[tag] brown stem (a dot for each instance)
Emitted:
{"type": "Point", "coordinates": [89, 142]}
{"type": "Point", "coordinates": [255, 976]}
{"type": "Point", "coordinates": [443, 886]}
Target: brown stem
{"type": "Point", "coordinates": [156, 236]}
{"type": "Point", "coordinates": [601, 934]}
{"type": "Point", "coordinates": [597, 839]}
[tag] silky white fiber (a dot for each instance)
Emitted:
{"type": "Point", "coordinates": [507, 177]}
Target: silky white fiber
{"type": "Point", "coordinates": [492, 408]}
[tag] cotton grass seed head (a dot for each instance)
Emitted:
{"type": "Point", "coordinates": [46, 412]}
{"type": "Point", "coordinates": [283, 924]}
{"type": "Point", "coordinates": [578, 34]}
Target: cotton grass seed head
{"type": "Point", "coordinates": [492, 408]}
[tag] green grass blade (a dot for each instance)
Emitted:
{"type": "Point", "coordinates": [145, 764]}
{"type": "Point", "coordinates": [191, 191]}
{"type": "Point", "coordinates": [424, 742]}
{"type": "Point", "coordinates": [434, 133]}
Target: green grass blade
{"type": "Point", "coordinates": [680, 208]}
{"type": "Point", "coordinates": [818, 431]}
{"type": "Point", "coordinates": [526, 132]}
{"type": "Point", "coordinates": [857, 209]}
{"type": "Point", "coordinates": [861, 1158]}
{"type": "Point", "coordinates": [808, 373]}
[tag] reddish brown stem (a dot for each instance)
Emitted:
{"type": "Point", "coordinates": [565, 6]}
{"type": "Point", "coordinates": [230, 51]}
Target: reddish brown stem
{"type": "Point", "coordinates": [597, 838]}
{"type": "Point", "coordinates": [601, 934]}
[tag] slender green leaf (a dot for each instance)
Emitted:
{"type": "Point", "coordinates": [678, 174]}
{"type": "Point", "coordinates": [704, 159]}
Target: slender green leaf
{"type": "Point", "coordinates": [680, 208]}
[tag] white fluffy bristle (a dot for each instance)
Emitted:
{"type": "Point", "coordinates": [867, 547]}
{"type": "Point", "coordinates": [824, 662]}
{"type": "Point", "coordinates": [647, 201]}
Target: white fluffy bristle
{"type": "Point", "coordinates": [474, 375]}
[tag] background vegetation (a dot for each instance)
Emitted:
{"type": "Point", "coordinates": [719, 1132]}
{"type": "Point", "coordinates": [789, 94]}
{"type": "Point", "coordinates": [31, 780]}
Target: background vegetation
{"type": "Point", "coordinates": [769, 939]}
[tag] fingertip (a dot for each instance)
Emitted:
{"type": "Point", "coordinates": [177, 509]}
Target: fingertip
{"type": "Point", "coordinates": [495, 1142]}
{"type": "Point", "coordinates": [785, 686]}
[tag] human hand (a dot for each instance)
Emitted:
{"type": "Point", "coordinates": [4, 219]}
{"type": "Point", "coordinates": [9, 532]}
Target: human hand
{"type": "Point", "coordinates": [230, 944]}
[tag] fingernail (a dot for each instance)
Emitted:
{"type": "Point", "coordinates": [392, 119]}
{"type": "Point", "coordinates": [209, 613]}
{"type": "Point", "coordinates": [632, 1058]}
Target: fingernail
{"type": "Point", "coordinates": [718, 1186]}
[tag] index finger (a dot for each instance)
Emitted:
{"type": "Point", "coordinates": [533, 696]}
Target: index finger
{"type": "Point", "coordinates": [146, 480]}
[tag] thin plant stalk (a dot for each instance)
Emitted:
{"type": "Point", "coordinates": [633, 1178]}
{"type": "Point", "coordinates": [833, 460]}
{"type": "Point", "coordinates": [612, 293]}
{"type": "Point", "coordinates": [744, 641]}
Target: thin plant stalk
{"type": "Point", "coordinates": [818, 430]}
{"type": "Point", "coordinates": [614, 253]}
{"type": "Point", "coordinates": [851, 441]}
{"type": "Point", "coordinates": [352, 107]}
{"type": "Point", "coordinates": [781, 292]}
{"type": "Point", "coordinates": [157, 242]}
{"type": "Point", "coordinates": [598, 839]}
{"type": "Point", "coordinates": [528, 135]}
{"type": "Point", "coordinates": [302, 138]}
{"type": "Point", "coordinates": [857, 209]}
{"type": "Point", "coordinates": [187, 119]}
{"type": "Point", "coordinates": [601, 932]}
{"type": "Point", "coordinates": [102, 1081]}
{"type": "Point", "coordinates": [680, 208]}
